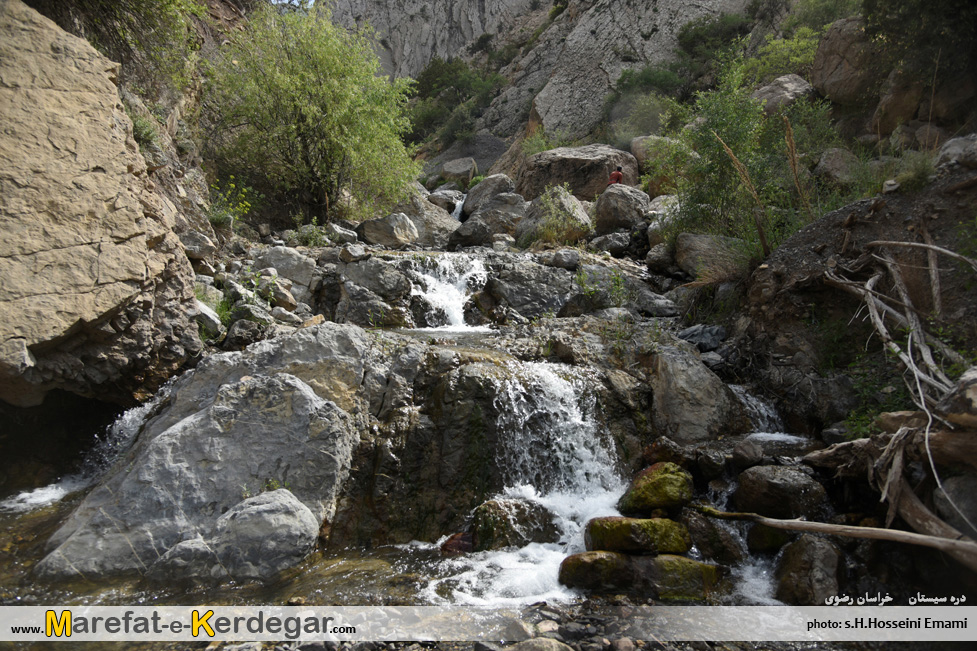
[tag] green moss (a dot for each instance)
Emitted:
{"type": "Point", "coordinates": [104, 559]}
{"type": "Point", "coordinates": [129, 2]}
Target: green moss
{"type": "Point", "coordinates": [642, 536]}
{"type": "Point", "coordinates": [683, 579]}
{"type": "Point", "coordinates": [662, 486]}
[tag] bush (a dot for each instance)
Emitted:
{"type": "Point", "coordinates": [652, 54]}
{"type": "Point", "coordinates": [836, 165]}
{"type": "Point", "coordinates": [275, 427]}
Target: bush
{"type": "Point", "coordinates": [539, 141]}
{"type": "Point", "coordinates": [229, 202]}
{"type": "Point", "coordinates": [556, 225]}
{"type": "Point", "coordinates": [144, 131]}
{"type": "Point", "coordinates": [450, 96]}
{"type": "Point", "coordinates": [781, 56]}
{"type": "Point", "coordinates": [299, 104]}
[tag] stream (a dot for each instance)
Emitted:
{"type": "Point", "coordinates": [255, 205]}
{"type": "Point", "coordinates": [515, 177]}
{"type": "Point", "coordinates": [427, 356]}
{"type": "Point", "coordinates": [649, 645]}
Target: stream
{"type": "Point", "coordinates": [555, 453]}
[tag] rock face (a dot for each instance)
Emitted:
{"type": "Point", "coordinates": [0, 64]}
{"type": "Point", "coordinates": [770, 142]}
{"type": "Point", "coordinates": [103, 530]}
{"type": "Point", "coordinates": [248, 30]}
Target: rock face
{"type": "Point", "coordinates": [97, 290]}
{"type": "Point", "coordinates": [844, 67]}
{"type": "Point", "coordinates": [191, 476]}
{"type": "Point", "coordinates": [585, 169]}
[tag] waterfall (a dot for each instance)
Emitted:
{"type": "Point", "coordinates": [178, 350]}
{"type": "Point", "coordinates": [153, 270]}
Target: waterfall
{"type": "Point", "coordinates": [443, 284]}
{"type": "Point", "coordinates": [552, 452]}
{"type": "Point", "coordinates": [763, 416]}
{"type": "Point", "coordinates": [109, 445]}
{"type": "Point", "coordinates": [456, 213]}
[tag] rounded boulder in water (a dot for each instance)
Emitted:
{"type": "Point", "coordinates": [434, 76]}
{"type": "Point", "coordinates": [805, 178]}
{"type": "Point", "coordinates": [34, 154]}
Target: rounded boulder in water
{"type": "Point", "coordinates": [663, 486]}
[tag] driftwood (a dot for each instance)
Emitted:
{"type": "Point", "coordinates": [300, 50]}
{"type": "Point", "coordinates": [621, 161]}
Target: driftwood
{"type": "Point", "coordinates": [954, 543]}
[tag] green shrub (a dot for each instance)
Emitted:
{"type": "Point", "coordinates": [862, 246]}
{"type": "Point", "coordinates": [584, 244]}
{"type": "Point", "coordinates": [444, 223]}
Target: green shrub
{"type": "Point", "coordinates": [539, 141]}
{"type": "Point", "coordinates": [557, 225]}
{"type": "Point", "coordinates": [144, 131]}
{"type": "Point", "coordinates": [450, 96]}
{"type": "Point", "coordinates": [781, 56]}
{"type": "Point", "coordinates": [817, 14]}
{"type": "Point", "coordinates": [299, 106]}
{"type": "Point", "coordinates": [229, 202]}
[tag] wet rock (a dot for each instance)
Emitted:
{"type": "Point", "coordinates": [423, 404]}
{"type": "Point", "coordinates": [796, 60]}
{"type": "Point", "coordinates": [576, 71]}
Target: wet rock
{"type": "Point", "coordinates": [446, 199]}
{"type": "Point", "coordinates": [661, 577]}
{"type": "Point", "coordinates": [763, 539]}
{"type": "Point", "coordinates": [502, 523]}
{"type": "Point", "coordinates": [746, 454]}
{"type": "Point", "coordinates": [664, 449]}
{"type": "Point", "coordinates": [714, 539]}
{"type": "Point", "coordinates": [501, 214]}
{"type": "Point", "coordinates": [620, 207]}
{"type": "Point", "coordinates": [808, 572]}
{"type": "Point", "coordinates": [394, 231]}
{"type": "Point", "coordinates": [637, 536]}
{"type": "Point", "coordinates": [458, 544]}
{"type": "Point", "coordinates": [255, 433]}
{"type": "Point", "coordinates": [586, 170]}
{"type": "Point", "coordinates": [779, 492]}
{"type": "Point", "coordinates": [958, 492]}
{"type": "Point", "coordinates": [690, 403]}
{"type": "Point", "coordinates": [662, 486]}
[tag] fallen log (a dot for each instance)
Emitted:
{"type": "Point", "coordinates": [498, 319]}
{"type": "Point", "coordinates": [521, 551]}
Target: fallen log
{"type": "Point", "coordinates": [960, 547]}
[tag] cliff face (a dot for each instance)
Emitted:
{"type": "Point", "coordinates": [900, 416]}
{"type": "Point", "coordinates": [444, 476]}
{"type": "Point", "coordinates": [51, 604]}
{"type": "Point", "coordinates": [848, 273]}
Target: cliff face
{"type": "Point", "coordinates": [96, 286]}
{"type": "Point", "coordinates": [413, 32]}
{"type": "Point", "coordinates": [559, 78]}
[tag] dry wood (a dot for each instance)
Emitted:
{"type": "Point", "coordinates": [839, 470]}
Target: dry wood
{"type": "Point", "coordinates": [957, 545]}
{"type": "Point", "coordinates": [938, 249]}
{"type": "Point", "coordinates": [934, 268]}
{"type": "Point", "coordinates": [963, 185]}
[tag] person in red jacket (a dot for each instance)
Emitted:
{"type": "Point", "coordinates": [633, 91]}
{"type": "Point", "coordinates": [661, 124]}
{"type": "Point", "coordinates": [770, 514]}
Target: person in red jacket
{"type": "Point", "coordinates": [616, 177]}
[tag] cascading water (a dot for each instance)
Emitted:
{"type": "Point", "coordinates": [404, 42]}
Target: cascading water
{"type": "Point", "coordinates": [553, 453]}
{"type": "Point", "coordinates": [115, 440]}
{"type": "Point", "coordinates": [443, 284]}
{"type": "Point", "coordinates": [456, 213]}
{"type": "Point", "coordinates": [763, 415]}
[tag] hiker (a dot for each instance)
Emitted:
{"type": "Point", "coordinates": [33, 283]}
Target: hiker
{"type": "Point", "coordinates": [617, 176]}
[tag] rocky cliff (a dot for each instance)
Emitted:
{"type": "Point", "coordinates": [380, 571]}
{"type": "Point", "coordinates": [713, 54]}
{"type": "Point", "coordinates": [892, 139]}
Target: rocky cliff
{"type": "Point", "coordinates": [96, 286]}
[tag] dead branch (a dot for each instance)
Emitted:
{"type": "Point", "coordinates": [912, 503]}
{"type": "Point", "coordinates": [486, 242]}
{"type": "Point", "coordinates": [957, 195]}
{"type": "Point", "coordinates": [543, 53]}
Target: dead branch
{"type": "Point", "coordinates": [959, 546]}
{"type": "Point", "coordinates": [934, 269]}
{"type": "Point", "coordinates": [938, 249]}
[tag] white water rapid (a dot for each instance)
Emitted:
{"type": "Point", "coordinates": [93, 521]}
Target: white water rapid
{"type": "Point", "coordinates": [444, 283]}
{"type": "Point", "coordinates": [556, 454]}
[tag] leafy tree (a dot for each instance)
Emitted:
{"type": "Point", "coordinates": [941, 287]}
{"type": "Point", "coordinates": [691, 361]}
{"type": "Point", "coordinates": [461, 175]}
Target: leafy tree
{"type": "Point", "coordinates": [451, 95]}
{"type": "Point", "coordinates": [299, 107]}
{"type": "Point", "coordinates": [926, 28]}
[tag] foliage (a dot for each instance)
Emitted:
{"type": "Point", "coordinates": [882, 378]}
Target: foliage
{"type": "Point", "coordinates": [151, 35]}
{"type": "Point", "coordinates": [230, 201]}
{"type": "Point", "coordinates": [701, 41]}
{"type": "Point", "coordinates": [817, 14]}
{"type": "Point", "coordinates": [643, 115]}
{"type": "Point", "coordinates": [556, 224]}
{"type": "Point", "coordinates": [660, 78]}
{"type": "Point", "coordinates": [559, 6]}
{"type": "Point", "coordinates": [925, 29]}
{"type": "Point", "coordinates": [878, 388]}
{"type": "Point", "coordinates": [450, 96]}
{"type": "Point", "coordinates": [916, 169]}
{"type": "Point", "coordinates": [144, 131]}
{"type": "Point", "coordinates": [539, 141]}
{"type": "Point", "coordinates": [781, 56]}
{"type": "Point", "coordinates": [299, 106]}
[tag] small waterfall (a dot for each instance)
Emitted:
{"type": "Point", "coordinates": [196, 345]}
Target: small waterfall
{"type": "Point", "coordinates": [763, 415]}
{"type": "Point", "coordinates": [456, 213]}
{"type": "Point", "coordinates": [557, 455]}
{"type": "Point", "coordinates": [443, 284]}
{"type": "Point", "coordinates": [114, 441]}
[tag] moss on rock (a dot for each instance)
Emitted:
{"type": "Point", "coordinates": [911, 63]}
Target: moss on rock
{"type": "Point", "coordinates": [662, 486]}
{"type": "Point", "coordinates": [638, 536]}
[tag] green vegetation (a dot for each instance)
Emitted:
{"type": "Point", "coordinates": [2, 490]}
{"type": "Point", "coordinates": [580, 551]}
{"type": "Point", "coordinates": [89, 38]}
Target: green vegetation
{"type": "Point", "coordinates": [539, 141]}
{"type": "Point", "coordinates": [144, 131]}
{"type": "Point", "coordinates": [152, 39]}
{"type": "Point", "coordinates": [926, 30]}
{"type": "Point", "coordinates": [556, 225]}
{"type": "Point", "coordinates": [450, 96]}
{"type": "Point", "coordinates": [299, 107]}
{"type": "Point", "coordinates": [229, 202]}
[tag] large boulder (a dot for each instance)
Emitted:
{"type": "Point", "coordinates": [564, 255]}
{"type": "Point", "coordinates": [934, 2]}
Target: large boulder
{"type": "Point", "coordinates": [837, 167]}
{"type": "Point", "coordinates": [499, 215]}
{"type": "Point", "coordinates": [902, 94]}
{"type": "Point", "coordinates": [585, 169]}
{"type": "Point", "coordinates": [779, 492]}
{"type": "Point", "coordinates": [620, 207]}
{"type": "Point", "coordinates": [962, 151]}
{"type": "Point", "coordinates": [395, 231]}
{"type": "Point", "coordinates": [691, 404]}
{"type": "Point", "coordinates": [97, 291]}
{"type": "Point", "coordinates": [555, 207]}
{"type": "Point", "coordinates": [489, 187]}
{"type": "Point", "coordinates": [460, 170]}
{"type": "Point", "coordinates": [502, 523]}
{"type": "Point", "coordinates": [204, 456]}
{"type": "Point", "coordinates": [433, 222]}
{"type": "Point", "coordinates": [293, 265]}
{"type": "Point", "coordinates": [782, 92]}
{"type": "Point", "coordinates": [846, 66]}
{"type": "Point", "coordinates": [699, 253]}
{"type": "Point", "coordinates": [808, 572]}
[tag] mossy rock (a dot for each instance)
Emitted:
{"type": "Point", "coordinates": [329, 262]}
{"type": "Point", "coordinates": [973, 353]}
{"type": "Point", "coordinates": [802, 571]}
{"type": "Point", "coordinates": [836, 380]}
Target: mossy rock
{"type": "Point", "coordinates": [662, 486]}
{"type": "Point", "coordinates": [684, 579]}
{"type": "Point", "coordinates": [599, 571]}
{"type": "Point", "coordinates": [638, 536]}
{"type": "Point", "coordinates": [498, 524]}
{"type": "Point", "coordinates": [762, 538]}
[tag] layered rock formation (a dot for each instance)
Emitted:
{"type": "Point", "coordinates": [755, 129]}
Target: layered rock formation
{"type": "Point", "coordinates": [96, 287]}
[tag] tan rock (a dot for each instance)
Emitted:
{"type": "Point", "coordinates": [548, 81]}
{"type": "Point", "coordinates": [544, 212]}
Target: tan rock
{"type": "Point", "coordinates": [85, 240]}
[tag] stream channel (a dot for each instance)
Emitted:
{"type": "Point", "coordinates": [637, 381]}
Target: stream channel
{"type": "Point", "coordinates": [555, 453]}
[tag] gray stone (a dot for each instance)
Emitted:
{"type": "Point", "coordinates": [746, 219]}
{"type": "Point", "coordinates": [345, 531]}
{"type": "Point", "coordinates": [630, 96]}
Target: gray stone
{"type": "Point", "coordinates": [253, 433]}
{"type": "Point", "coordinates": [447, 199]}
{"type": "Point", "coordinates": [837, 167]}
{"type": "Point", "coordinates": [782, 92]}
{"type": "Point", "coordinates": [502, 213]}
{"type": "Point", "coordinates": [962, 151]}
{"type": "Point", "coordinates": [808, 571]}
{"type": "Point", "coordinates": [208, 319]}
{"type": "Point", "coordinates": [394, 231]}
{"type": "Point", "coordinates": [698, 254]}
{"type": "Point", "coordinates": [197, 245]}
{"type": "Point", "coordinates": [289, 263]}
{"type": "Point", "coordinates": [488, 188]}
{"type": "Point", "coordinates": [962, 492]}
{"type": "Point", "coordinates": [585, 169]}
{"type": "Point", "coordinates": [555, 203]}
{"type": "Point", "coordinates": [568, 259]}
{"type": "Point", "coordinates": [286, 317]}
{"type": "Point", "coordinates": [339, 235]}
{"type": "Point", "coordinates": [354, 253]}
{"type": "Point", "coordinates": [620, 207]}
{"type": "Point", "coordinates": [704, 337]}
{"type": "Point", "coordinates": [779, 492]}
{"type": "Point", "coordinates": [614, 243]}
{"type": "Point", "coordinates": [846, 67]}
{"type": "Point", "coordinates": [461, 170]}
